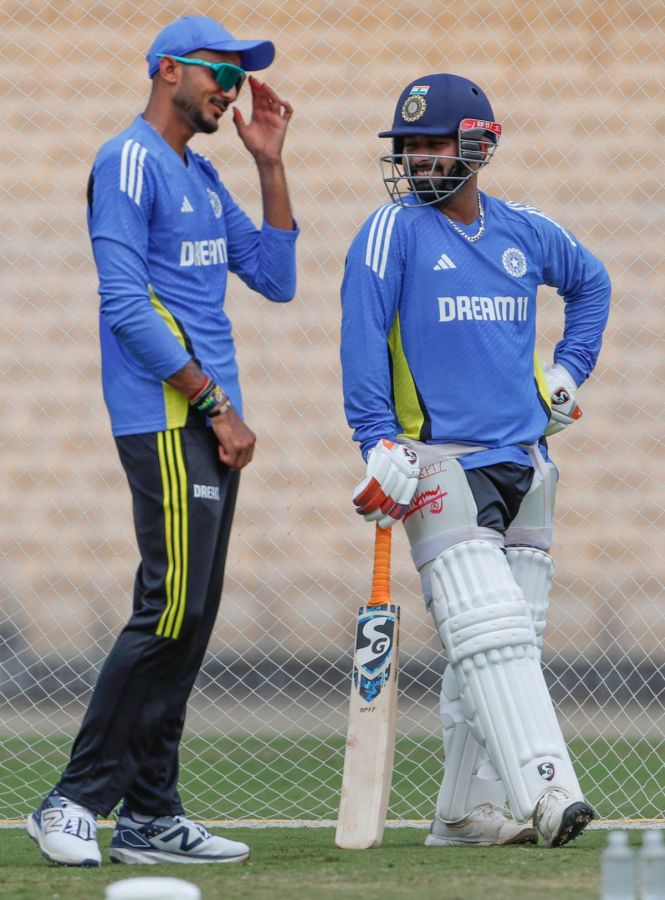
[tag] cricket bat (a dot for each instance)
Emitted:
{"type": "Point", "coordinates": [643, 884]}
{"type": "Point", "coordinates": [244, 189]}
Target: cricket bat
{"type": "Point", "coordinates": [370, 741]}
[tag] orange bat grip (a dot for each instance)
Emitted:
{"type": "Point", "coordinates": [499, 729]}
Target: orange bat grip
{"type": "Point", "coordinates": [381, 573]}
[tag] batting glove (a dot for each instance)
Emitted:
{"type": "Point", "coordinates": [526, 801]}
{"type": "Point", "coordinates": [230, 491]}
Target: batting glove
{"type": "Point", "coordinates": [562, 389]}
{"type": "Point", "coordinates": [384, 495]}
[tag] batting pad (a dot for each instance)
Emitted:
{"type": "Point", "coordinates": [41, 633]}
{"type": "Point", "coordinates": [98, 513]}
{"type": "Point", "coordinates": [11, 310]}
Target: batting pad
{"type": "Point", "coordinates": [469, 778]}
{"type": "Point", "coordinates": [533, 571]}
{"type": "Point", "coordinates": [486, 627]}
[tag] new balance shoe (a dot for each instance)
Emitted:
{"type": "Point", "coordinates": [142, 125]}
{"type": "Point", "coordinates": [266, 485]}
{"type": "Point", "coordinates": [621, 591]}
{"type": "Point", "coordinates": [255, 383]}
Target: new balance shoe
{"type": "Point", "coordinates": [560, 818]}
{"type": "Point", "coordinates": [485, 825]}
{"type": "Point", "coordinates": [170, 839]}
{"type": "Point", "coordinates": [65, 832]}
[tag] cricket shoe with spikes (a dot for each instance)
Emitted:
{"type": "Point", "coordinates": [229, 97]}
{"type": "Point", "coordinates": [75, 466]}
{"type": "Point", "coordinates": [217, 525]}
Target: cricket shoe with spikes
{"type": "Point", "coordinates": [170, 839]}
{"type": "Point", "coordinates": [65, 832]}
{"type": "Point", "coordinates": [560, 818]}
{"type": "Point", "coordinates": [485, 825]}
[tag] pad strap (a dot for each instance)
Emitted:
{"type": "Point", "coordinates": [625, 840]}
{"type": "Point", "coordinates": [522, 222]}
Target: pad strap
{"type": "Point", "coordinates": [429, 548]}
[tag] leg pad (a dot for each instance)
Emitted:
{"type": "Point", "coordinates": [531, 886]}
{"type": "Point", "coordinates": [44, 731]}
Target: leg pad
{"type": "Point", "coordinates": [486, 627]}
{"type": "Point", "coordinates": [469, 778]}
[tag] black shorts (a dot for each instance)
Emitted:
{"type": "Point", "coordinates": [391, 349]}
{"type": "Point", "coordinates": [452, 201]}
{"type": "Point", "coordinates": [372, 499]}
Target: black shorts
{"type": "Point", "coordinates": [498, 492]}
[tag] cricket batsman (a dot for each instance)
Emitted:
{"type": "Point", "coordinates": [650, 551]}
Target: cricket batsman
{"type": "Point", "coordinates": [452, 409]}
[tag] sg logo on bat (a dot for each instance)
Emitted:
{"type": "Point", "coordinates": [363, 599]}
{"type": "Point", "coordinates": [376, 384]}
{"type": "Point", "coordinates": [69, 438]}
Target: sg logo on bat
{"type": "Point", "coordinates": [375, 649]}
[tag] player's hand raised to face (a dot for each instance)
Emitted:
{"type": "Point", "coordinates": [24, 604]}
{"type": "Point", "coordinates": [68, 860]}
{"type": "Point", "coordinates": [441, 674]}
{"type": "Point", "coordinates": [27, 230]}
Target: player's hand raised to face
{"type": "Point", "coordinates": [264, 134]}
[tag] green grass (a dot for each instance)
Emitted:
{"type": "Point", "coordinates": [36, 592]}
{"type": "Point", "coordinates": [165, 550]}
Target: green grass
{"type": "Point", "coordinates": [284, 778]}
{"type": "Point", "coordinates": [303, 863]}
{"type": "Point", "coordinates": [281, 778]}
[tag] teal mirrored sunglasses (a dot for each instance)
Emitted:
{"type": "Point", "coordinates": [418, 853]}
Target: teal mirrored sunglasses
{"type": "Point", "coordinates": [226, 74]}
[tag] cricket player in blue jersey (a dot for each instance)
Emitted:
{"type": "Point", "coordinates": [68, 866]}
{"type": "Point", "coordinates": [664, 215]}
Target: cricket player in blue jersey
{"type": "Point", "coordinates": [451, 407]}
{"type": "Point", "coordinates": [165, 234]}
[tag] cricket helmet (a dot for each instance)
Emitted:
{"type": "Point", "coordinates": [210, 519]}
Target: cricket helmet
{"type": "Point", "coordinates": [439, 105]}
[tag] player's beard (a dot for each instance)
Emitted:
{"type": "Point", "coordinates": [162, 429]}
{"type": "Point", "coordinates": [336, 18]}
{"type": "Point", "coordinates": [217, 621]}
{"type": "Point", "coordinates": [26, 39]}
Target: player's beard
{"type": "Point", "coordinates": [194, 112]}
{"type": "Point", "coordinates": [435, 185]}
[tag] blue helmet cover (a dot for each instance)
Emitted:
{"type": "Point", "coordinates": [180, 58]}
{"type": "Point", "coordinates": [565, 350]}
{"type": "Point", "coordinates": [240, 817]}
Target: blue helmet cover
{"type": "Point", "coordinates": [436, 104]}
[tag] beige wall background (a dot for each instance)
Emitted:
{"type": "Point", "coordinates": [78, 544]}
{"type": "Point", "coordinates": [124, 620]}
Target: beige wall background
{"type": "Point", "coordinates": [578, 87]}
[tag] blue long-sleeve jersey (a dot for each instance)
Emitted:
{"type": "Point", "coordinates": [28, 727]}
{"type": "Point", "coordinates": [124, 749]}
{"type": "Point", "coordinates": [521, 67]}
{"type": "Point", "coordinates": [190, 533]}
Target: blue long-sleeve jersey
{"type": "Point", "coordinates": [165, 233]}
{"type": "Point", "coordinates": [439, 333]}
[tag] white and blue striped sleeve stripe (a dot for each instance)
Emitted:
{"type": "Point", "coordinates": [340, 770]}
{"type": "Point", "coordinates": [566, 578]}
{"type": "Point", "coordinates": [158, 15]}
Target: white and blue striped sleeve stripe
{"type": "Point", "coordinates": [131, 169]}
{"type": "Point", "coordinates": [378, 241]}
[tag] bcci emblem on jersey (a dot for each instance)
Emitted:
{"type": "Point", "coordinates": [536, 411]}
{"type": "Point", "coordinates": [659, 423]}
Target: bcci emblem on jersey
{"type": "Point", "coordinates": [215, 202]}
{"type": "Point", "coordinates": [514, 262]}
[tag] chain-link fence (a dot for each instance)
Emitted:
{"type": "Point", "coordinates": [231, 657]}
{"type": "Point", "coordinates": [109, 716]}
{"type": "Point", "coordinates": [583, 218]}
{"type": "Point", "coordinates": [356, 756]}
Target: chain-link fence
{"type": "Point", "coordinates": [578, 88]}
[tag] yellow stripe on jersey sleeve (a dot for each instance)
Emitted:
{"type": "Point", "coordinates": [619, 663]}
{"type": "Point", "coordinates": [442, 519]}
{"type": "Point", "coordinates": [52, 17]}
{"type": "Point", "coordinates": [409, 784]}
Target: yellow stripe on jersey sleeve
{"type": "Point", "coordinates": [407, 405]}
{"type": "Point", "coordinates": [176, 407]}
{"type": "Point", "coordinates": [176, 531]}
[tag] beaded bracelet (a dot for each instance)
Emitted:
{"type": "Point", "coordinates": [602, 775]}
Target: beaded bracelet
{"type": "Point", "coordinates": [223, 408]}
{"type": "Point", "coordinates": [211, 400]}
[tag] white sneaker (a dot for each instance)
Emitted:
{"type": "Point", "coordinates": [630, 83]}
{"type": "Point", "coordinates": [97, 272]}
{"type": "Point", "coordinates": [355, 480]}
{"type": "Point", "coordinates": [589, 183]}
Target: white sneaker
{"type": "Point", "coordinates": [560, 818]}
{"type": "Point", "coordinates": [485, 825]}
{"type": "Point", "coordinates": [65, 832]}
{"type": "Point", "coordinates": [171, 839]}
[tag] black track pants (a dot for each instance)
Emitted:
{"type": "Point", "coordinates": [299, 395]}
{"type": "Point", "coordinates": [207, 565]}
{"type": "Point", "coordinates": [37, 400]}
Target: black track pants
{"type": "Point", "coordinates": [183, 503]}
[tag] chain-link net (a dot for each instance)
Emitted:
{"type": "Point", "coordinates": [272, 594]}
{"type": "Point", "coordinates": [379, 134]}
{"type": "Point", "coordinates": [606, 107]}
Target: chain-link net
{"type": "Point", "coordinates": [578, 88]}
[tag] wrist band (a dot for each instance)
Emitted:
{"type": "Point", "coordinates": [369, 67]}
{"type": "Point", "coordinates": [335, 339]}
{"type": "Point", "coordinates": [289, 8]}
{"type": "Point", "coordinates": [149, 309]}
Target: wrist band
{"type": "Point", "coordinates": [211, 400]}
{"type": "Point", "coordinates": [193, 398]}
{"type": "Point", "coordinates": [220, 410]}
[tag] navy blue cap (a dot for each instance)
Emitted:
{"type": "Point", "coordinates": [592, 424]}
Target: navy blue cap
{"type": "Point", "coordinates": [436, 104]}
{"type": "Point", "coordinates": [202, 33]}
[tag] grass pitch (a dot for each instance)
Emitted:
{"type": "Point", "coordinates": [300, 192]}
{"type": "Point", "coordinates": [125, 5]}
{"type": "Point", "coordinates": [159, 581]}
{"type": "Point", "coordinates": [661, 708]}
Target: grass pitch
{"type": "Point", "coordinates": [280, 778]}
{"type": "Point", "coordinates": [286, 778]}
{"type": "Point", "coordinates": [303, 863]}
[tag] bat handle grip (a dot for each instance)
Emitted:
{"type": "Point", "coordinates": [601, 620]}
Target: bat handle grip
{"type": "Point", "coordinates": [380, 593]}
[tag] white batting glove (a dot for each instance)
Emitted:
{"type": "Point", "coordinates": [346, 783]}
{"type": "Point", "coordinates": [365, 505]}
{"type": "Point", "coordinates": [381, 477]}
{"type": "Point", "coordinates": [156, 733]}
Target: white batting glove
{"type": "Point", "coordinates": [384, 495]}
{"type": "Point", "coordinates": [562, 389]}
